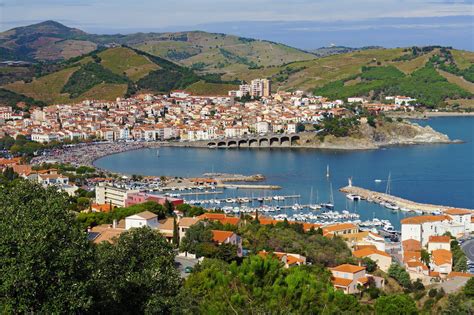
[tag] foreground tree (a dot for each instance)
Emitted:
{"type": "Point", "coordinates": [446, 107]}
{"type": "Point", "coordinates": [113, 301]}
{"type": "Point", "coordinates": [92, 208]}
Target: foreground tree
{"type": "Point", "coordinates": [44, 255]}
{"type": "Point", "coordinates": [136, 275]}
{"type": "Point", "coordinates": [395, 305]}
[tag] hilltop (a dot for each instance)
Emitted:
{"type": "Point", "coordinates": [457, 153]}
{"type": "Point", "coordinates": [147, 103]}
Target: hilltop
{"type": "Point", "coordinates": [51, 40]}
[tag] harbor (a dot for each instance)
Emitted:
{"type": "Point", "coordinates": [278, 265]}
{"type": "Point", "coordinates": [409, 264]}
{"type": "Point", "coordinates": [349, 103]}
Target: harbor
{"type": "Point", "coordinates": [393, 202]}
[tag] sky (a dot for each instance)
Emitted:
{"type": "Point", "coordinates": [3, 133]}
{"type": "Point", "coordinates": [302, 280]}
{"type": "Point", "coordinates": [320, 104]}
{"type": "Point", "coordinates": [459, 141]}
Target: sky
{"type": "Point", "coordinates": [302, 23]}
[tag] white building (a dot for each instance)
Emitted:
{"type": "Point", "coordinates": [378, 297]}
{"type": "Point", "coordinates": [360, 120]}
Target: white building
{"type": "Point", "coordinates": [404, 100]}
{"type": "Point", "coordinates": [420, 228]}
{"type": "Point", "coordinates": [262, 127]}
{"type": "Point", "coordinates": [145, 218]}
{"type": "Point", "coordinates": [110, 194]}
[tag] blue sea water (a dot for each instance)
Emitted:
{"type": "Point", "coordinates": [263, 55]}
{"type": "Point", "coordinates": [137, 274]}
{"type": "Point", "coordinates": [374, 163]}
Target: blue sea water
{"type": "Point", "coordinates": [438, 174]}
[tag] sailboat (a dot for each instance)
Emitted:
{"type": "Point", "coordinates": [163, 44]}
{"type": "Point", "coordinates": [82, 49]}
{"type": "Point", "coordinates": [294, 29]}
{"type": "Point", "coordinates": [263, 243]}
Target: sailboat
{"type": "Point", "coordinates": [311, 205]}
{"type": "Point", "coordinates": [158, 152]}
{"type": "Point", "coordinates": [330, 204]}
{"type": "Point", "coordinates": [327, 171]}
{"type": "Point", "coordinates": [388, 191]}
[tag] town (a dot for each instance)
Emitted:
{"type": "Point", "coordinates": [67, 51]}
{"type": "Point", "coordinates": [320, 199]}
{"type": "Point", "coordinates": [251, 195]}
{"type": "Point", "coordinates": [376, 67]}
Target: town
{"type": "Point", "coordinates": [251, 110]}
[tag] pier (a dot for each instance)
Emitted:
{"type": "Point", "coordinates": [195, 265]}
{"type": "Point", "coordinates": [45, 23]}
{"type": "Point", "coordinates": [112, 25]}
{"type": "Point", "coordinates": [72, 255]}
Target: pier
{"type": "Point", "coordinates": [247, 186]}
{"type": "Point", "coordinates": [402, 204]}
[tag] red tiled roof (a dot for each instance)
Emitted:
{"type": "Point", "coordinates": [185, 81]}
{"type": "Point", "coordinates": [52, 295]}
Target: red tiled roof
{"type": "Point", "coordinates": [369, 251]}
{"type": "Point", "coordinates": [341, 282]}
{"type": "Point", "coordinates": [348, 268]}
{"type": "Point", "coordinates": [439, 239]}
{"type": "Point", "coordinates": [220, 236]}
{"type": "Point", "coordinates": [456, 211]}
{"type": "Point", "coordinates": [441, 257]}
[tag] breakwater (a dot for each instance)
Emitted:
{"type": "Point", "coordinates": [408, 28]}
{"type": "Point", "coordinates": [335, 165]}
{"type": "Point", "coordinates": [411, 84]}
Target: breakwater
{"type": "Point", "coordinates": [402, 204]}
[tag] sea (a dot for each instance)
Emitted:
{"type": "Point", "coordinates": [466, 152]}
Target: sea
{"type": "Point", "coordinates": [433, 173]}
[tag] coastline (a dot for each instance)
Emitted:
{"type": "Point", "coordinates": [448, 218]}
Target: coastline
{"type": "Point", "coordinates": [428, 115]}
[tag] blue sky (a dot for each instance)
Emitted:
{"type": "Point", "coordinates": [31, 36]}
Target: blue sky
{"type": "Point", "coordinates": [278, 19]}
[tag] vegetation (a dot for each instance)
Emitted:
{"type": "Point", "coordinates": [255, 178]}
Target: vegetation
{"type": "Point", "coordinates": [263, 286]}
{"type": "Point", "coordinates": [10, 98]}
{"type": "Point", "coordinates": [399, 273]}
{"type": "Point", "coordinates": [425, 84]}
{"type": "Point", "coordinates": [395, 304]}
{"type": "Point", "coordinates": [338, 127]}
{"type": "Point", "coordinates": [96, 218]}
{"type": "Point", "coordinates": [88, 76]}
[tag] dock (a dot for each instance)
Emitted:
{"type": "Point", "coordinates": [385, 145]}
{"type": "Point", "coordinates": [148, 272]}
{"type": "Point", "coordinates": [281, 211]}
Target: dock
{"type": "Point", "coordinates": [247, 186]}
{"type": "Point", "coordinates": [201, 193]}
{"type": "Point", "coordinates": [378, 197]}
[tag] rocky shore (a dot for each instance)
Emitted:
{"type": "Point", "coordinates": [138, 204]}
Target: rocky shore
{"type": "Point", "coordinates": [388, 134]}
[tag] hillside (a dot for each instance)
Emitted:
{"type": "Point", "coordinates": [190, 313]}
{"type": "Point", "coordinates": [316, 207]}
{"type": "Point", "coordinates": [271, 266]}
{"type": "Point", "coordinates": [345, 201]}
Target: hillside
{"type": "Point", "coordinates": [111, 73]}
{"type": "Point", "coordinates": [204, 51]}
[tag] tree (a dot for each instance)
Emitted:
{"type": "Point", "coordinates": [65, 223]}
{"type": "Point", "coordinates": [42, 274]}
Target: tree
{"type": "Point", "coordinates": [425, 257]}
{"type": "Point", "coordinates": [469, 288]}
{"type": "Point", "coordinates": [175, 232]}
{"type": "Point", "coordinates": [395, 304]}
{"type": "Point", "coordinates": [369, 264]}
{"type": "Point", "coordinates": [44, 256]}
{"type": "Point", "coordinates": [169, 206]}
{"type": "Point", "coordinates": [136, 275]}
{"type": "Point", "coordinates": [399, 273]}
{"type": "Point", "coordinates": [196, 234]}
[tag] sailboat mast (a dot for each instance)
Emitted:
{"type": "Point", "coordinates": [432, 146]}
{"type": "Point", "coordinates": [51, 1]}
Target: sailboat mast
{"type": "Point", "coordinates": [388, 188]}
{"type": "Point", "coordinates": [327, 170]}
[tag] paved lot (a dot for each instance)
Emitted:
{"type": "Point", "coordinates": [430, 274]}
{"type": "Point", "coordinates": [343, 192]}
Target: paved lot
{"type": "Point", "coordinates": [453, 285]}
{"type": "Point", "coordinates": [468, 248]}
{"type": "Point", "coordinates": [183, 262]}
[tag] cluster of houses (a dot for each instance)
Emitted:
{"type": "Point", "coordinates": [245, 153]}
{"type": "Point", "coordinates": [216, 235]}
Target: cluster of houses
{"type": "Point", "coordinates": [180, 116]}
{"type": "Point", "coordinates": [432, 234]}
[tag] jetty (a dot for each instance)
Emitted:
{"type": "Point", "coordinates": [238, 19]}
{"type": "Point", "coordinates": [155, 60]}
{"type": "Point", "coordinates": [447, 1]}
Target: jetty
{"type": "Point", "coordinates": [247, 186]}
{"type": "Point", "coordinates": [402, 204]}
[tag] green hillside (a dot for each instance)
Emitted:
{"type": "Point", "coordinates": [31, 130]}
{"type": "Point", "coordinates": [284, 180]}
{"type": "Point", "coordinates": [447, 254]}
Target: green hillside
{"type": "Point", "coordinates": [111, 73]}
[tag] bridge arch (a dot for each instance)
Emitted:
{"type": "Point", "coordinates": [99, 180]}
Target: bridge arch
{"type": "Point", "coordinates": [212, 144]}
{"type": "Point", "coordinates": [242, 143]}
{"type": "Point", "coordinates": [293, 139]}
{"type": "Point", "coordinates": [221, 144]}
{"type": "Point", "coordinates": [284, 140]}
{"type": "Point", "coordinates": [232, 144]}
{"type": "Point", "coordinates": [274, 141]}
{"type": "Point", "coordinates": [263, 142]}
{"type": "Point", "coordinates": [253, 143]}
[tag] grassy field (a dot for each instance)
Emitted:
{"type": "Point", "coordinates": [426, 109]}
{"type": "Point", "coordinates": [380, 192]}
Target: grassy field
{"type": "Point", "coordinates": [464, 59]}
{"type": "Point", "coordinates": [46, 88]}
{"type": "Point", "coordinates": [414, 64]}
{"type": "Point", "coordinates": [205, 50]}
{"type": "Point", "coordinates": [320, 71]}
{"type": "Point", "coordinates": [204, 88]}
{"type": "Point", "coordinates": [468, 86]}
{"type": "Point", "coordinates": [104, 91]}
{"type": "Point", "coordinates": [125, 61]}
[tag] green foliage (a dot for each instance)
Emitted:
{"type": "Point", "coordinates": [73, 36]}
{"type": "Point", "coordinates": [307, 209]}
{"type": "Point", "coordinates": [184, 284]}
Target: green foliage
{"type": "Point", "coordinates": [44, 256]}
{"type": "Point", "coordinates": [459, 304]}
{"type": "Point", "coordinates": [381, 73]}
{"type": "Point", "coordinates": [11, 98]}
{"type": "Point", "coordinates": [317, 249]}
{"type": "Point", "coordinates": [264, 286]}
{"type": "Point", "coordinates": [369, 264]}
{"type": "Point", "coordinates": [399, 273]}
{"type": "Point", "coordinates": [469, 288]}
{"type": "Point", "coordinates": [339, 127]}
{"type": "Point", "coordinates": [425, 84]}
{"type": "Point", "coordinates": [190, 211]}
{"type": "Point", "coordinates": [395, 305]}
{"type": "Point", "coordinates": [96, 218]}
{"type": "Point", "coordinates": [459, 257]}
{"type": "Point", "coordinates": [136, 275]}
{"type": "Point", "coordinates": [88, 76]}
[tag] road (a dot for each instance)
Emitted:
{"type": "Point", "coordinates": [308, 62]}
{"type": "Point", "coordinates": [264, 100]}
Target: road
{"type": "Point", "coordinates": [183, 262]}
{"type": "Point", "coordinates": [468, 248]}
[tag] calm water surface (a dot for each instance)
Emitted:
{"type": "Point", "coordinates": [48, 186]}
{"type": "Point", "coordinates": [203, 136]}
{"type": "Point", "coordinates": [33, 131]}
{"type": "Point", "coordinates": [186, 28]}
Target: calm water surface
{"type": "Point", "coordinates": [438, 174]}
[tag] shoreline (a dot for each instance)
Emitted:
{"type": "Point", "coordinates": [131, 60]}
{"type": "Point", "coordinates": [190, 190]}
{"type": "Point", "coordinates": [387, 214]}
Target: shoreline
{"type": "Point", "coordinates": [428, 115]}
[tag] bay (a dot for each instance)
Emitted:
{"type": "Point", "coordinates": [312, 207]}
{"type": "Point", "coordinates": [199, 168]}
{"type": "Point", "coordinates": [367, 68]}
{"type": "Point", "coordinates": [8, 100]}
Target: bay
{"type": "Point", "coordinates": [436, 173]}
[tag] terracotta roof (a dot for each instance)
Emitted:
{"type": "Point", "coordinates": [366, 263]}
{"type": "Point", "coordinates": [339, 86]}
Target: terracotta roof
{"type": "Point", "coordinates": [359, 247]}
{"type": "Point", "coordinates": [291, 260]}
{"type": "Point", "coordinates": [439, 239]}
{"type": "Point", "coordinates": [220, 236]}
{"type": "Point", "coordinates": [339, 227]}
{"type": "Point", "coordinates": [434, 274]}
{"type": "Point", "coordinates": [230, 220]}
{"type": "Point", "coordinates": [166, 224]}
{"type": "Point", "coordinates": [106, 207]}
{"type": "Point", "coordinates": [369, 251]}
{"type": "Point", "coordinates": [454, 274]}
{"type": "Point", "coordinates": [441, 257]}
{"type": "Point", "coordinates": [212, 216]}
{"type": "Point", "coordinates": [456, 211]}
{"type": "Point", "coordinates": [363, 280]}
{"type": "Point", "coordinates": [411, 245]}
{"type": "Point", "coordinates": [411, 256]}
{"type": "Point", "coordinates": [187, 222]}
{"type": "Point", "coordinates": [413, 264]}
{"type": "Point", "coordinates": [341, 282]}
{"type": "Point", "coordinates": [147, 215]}
{"type": "Point", "coordinates": [348, 268]}
{"type": "Point", "coordinates": [424, 218]}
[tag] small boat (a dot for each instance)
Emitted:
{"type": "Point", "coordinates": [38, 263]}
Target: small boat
{"type": "Point", "coordinates": [328, 205]}
{"type": "Point", "coordinates": [353, 197]}
{"type": "Point", "coordinates": [260, 199]}
{"type": "Point", "coordinates": [315, 207]}
{"type": "Point", "coordinates": [378, 180]}
{"type": "Point", "coordinates": [296, 207]}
